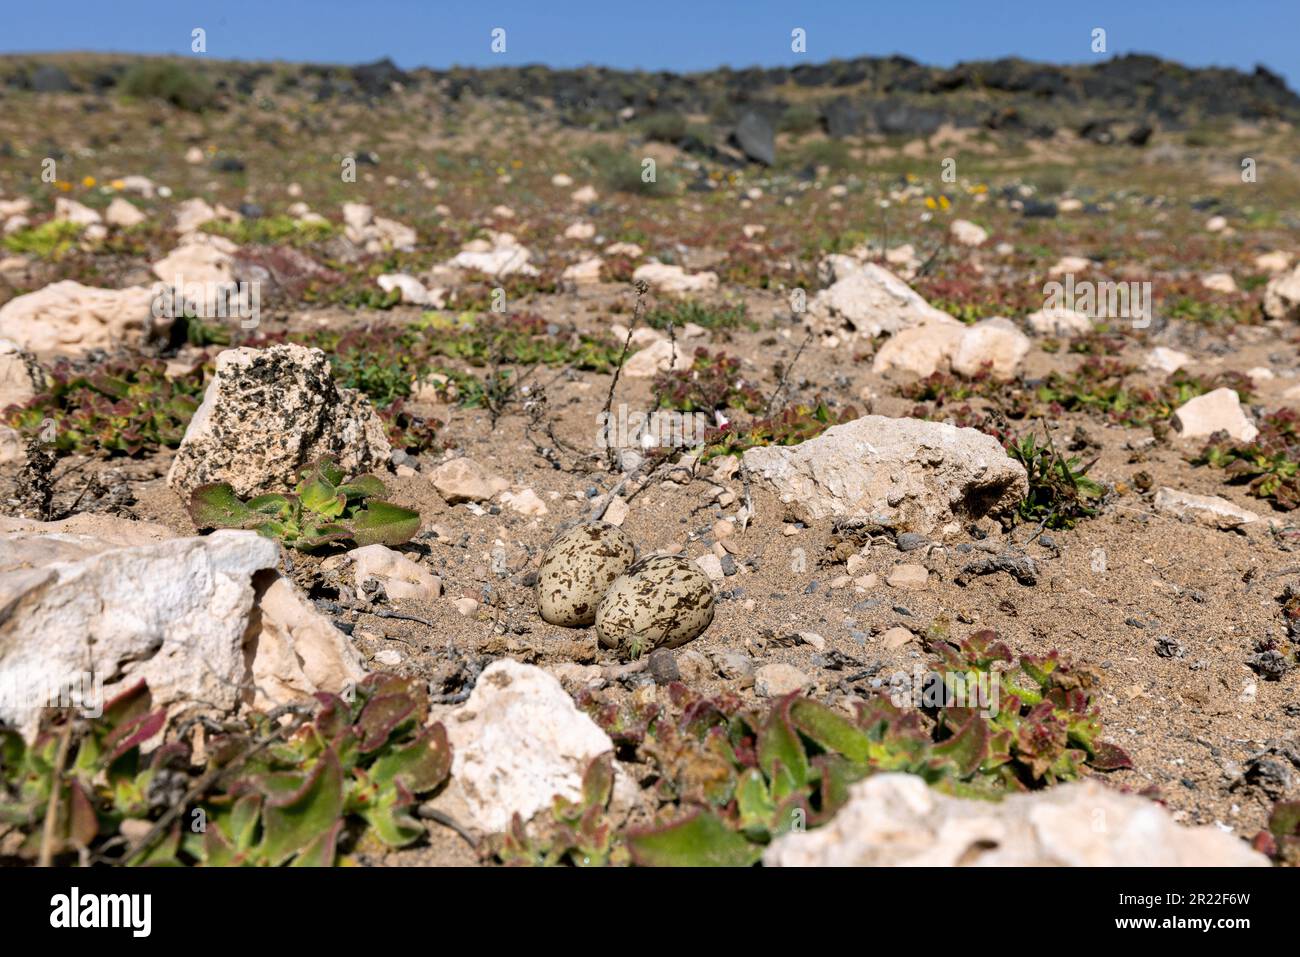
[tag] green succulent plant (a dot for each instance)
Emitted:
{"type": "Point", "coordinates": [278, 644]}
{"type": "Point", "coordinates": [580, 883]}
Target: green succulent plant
{"type": "Point", "coordinates": [729, 780]}
{"type": "Point", "coordinates": [788, 426]}
{"type": "Point", "coordinates": [50, 240]}
{"type": "Point", "coordinates": [1269, 463]}
{"type": "Point", "coordinates": [100, 781]}
{"type": "Point", "coordinates": [366, 758]}
{"type": "Point", "coordinates": [268, 794]}
{"type": "Point", "coordinates": [126, 408]}
{"type": "Point", "coordinates": [576, 832]}
{"type": "Point", "coordinates": [323, 509]}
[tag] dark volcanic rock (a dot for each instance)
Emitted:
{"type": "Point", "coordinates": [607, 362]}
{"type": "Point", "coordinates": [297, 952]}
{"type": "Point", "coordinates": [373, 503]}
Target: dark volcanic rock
{"type": "Point", "coordinates": [377, 79]}
{"type": "Point", "coordinates": [842, 117]}
{"type": "Point", "coordinates": [49, 79]}
{"type": "Point", "coordinates": [862, 95]}
{"type": "Point", "coordinates": [1139, 135]}
{"type": "Point", "coordinates": [903, 118]}
{"type": "Point", "coordinates": [756, 138]}
{"type": "Point", "coordinates": [1039, 209]}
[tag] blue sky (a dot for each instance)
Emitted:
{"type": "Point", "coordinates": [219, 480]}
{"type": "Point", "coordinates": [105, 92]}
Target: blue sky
{"type": "Point", "coordinates": [665, 34]}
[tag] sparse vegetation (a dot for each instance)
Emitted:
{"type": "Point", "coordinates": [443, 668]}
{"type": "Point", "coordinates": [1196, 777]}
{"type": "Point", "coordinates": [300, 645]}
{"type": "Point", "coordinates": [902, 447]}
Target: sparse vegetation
{"type": "Point", "coordinates": [729, 780]}
{"type": "Point", "coordinates": [789, 426]}
{"type": "Point", "coordinates": [712, 382]}
{"type": "Point", "coordinates": [1060, 492]}
{"type": "Point", "coordinates": [127, 408]}
{"type": "Point", "coordinates": [624, 172]}
{"type": "Point", "coordinates": [702, 314]}
{"type": "Point", "coordinates": [179, 85]}
{"type": "Point", "coordinates": [272, 790]}
{"type": "Point", "coordinates": [1101, 386]}
{"type": "Point", "coordinates": [272, 230]}
{"type": "Point", "coordinates": [1269, 464]}
{"type": "Point", "coordinates": [49, 240]}
{"type": "Point", "coordinates": [324, 509]}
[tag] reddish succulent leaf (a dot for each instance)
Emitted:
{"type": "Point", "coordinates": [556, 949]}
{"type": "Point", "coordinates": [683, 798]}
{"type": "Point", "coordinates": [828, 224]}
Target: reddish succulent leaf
{"type": "Point", "coordinates": [421, 765]}
{"type": "Point", "coordinates": [966, 749]}
{"type": "Point", "coordinates": [133, 734]}
{"type": "Point", "coordinates": [83, 824]}
{"type": "Point", "coordinates": [321, 850]}
{"type": "Point", "coordinates": [1109, 757]}
{"type": "Point", "coordinates": [130, 703]}
{"type": "Point", "coordinates": [380, 717]}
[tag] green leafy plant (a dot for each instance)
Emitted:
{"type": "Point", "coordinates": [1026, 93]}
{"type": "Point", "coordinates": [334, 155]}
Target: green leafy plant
{"type": "Point", "coordinates": [513, 339]}
{"type": "Point", "coordinates": [128, 408]}
{"type": "Point", "coordinates": [1100, 385]}
{"type": "Point", "coordinates": [50, 240]}
{"type": "Point", "coordinates": [728, 780]}
{"type": "Point", "coordinates": [272, 231]}
{"type": "Point", "coordinates": [799, 118]}
{"type": "Point", "coordinates": [324, 509]}
{"type": "Point", "coordinates": [367, 758]}
{"type": "Point", "coordinates": [383, 361]}
{"type": "Point", "coordinates": [272, 791]}
{"type": "Point", "coordinates": [1060, 492]}
{"type": "Point", "coordinates": [195, 332]}
{"type": "Point", "coordinates": [701, 314]}
{"type": "Point", "coordinates": [1269, 463]}
{"type": "Point", "coordinates": [1238, 311]}
{"type": "Point", "coordinates": [620, 170]}
{"type": "Point", "coordinates": [171, 82]}
{"type": "Point", "coordinates": [90, 785]}
{"type": "Point", "coordinates": [663, 126]}
{"type": "Point", "coordinates": [790, 426]}
{"type": "Point", "coordinates": [575, 832]}
{"type": "Point", "coordinates": [712, 382]}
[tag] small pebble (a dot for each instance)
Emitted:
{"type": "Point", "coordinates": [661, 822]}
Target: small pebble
{"type": "Point", "coordinates": [663, 666]}
{"type": "Point", "coordinates": [909, 541]}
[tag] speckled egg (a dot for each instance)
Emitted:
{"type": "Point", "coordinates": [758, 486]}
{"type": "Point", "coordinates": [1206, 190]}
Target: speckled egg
{"type": "Point", "coordinates": [578, 568]}
{"type": "Point", "coordinates": [662, 602]}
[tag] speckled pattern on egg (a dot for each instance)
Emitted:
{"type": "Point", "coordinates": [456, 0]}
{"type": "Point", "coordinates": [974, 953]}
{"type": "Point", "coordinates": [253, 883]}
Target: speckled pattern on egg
{"type": "Point", "coordinates": [661, 602]}
{"type": "Point", "coordinates": [578, 568]}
